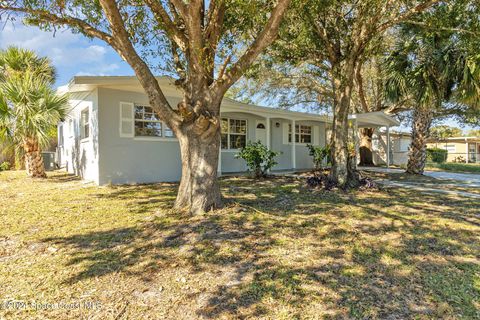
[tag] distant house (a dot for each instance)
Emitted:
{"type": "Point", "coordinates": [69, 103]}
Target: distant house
{"type": "Point", "coordinates": [459, 148]}
{"type": "Point", "coordinates": [112, 135]}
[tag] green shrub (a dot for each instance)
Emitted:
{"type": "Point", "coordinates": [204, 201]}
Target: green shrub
{"type": "Point", "coordinates": [4, 166]}
{"type": "Point", "coordinates": [319, 154]}
{"type": "Point", "coordinates": [437, 155]}
{"type": "Point", "coordinates": [258, 157]}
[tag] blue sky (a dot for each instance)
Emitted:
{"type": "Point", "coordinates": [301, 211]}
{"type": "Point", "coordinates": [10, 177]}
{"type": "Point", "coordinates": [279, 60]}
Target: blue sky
{"type": "Point", "coordinates": [73, 54]}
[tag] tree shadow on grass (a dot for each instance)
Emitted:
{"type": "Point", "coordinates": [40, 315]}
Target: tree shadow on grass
{"type": "Point", "coordinates": [304, 253]}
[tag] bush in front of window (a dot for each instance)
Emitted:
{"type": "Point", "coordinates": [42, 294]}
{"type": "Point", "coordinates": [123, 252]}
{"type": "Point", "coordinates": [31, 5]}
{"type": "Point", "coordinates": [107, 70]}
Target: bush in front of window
{"type": "Point", "coordinates": [436, 155]}
{"type": "Point", "coordinates": [258, 157]}
{"type": "Point", "coordinates": [319, 154]}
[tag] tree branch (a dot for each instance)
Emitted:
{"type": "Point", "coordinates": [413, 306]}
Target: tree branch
{"type": "Point", "coordinates": [265, 38]}
{"type": "Point", "coordinates": [148, 81]}
{"type": "Point", "coordinates": [417, 9]}
{"type": "Point", "coordinates": [216, 13]}
{"type": "Point", "coordinates": [164, 20]}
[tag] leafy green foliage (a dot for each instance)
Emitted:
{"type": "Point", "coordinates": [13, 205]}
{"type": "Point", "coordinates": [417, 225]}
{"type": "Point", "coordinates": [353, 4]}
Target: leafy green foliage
{"type": "Point", "coordinates": [319, 155]}
{"type": "Point", "coordinates": [434, 60]}
{"type": "Point", "coordinates": [436, 155]}
{"type": "Point", "coordinates": [473, 133]}
{"type": "Point", "coordinates": [444, 131]}
{"type": "Point", "coordinates": [258, 157]}
{"type": "Point", "coordinates": [4, 166]}
{"type": "Point", "coordinates": [29, 107]}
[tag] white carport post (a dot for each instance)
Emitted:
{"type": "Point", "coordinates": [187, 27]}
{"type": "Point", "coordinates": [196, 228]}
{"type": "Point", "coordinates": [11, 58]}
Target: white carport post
{"type": "Point", "coordinates": [356, 141]}
{"type": "Point", "coordinates": [294, 149]}
{"type": "Point", "coordinates": [388, 146]}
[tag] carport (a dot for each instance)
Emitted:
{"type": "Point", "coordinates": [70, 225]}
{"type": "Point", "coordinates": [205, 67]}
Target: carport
{"type": "Point", "coordinates": [378, 119]}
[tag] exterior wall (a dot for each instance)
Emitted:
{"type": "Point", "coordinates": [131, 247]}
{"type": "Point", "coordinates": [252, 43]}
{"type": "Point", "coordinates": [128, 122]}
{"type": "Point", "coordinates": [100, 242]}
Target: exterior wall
{"type": "Point", "coordinates": [108, 157]}
{"type": "Point", "coordinates": [76, 155]}
{"type": "Point", "coordinates": [280, 143]}
{"type": "Point", "coordinates": [133, 160]}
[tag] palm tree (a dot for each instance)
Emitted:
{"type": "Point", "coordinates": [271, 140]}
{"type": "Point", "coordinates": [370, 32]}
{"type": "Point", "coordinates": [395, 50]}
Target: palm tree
{"type": "Point", "coordinates": [29, 107]}
{"type": "Point", "coordinates": [429, 70]}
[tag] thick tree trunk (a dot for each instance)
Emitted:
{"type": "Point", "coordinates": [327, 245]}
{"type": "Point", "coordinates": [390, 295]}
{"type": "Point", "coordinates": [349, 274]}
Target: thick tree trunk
{"type": "Point", "coordinates": [33, 159]}
{"type": "Point", "coordinates": [417, 155]}
{"type": "Point", "coordinates": [341, 166]}
{"type": "Point", "coordinates": [199, 190]}
{"type": "Point", "coordinates": [366, 154]}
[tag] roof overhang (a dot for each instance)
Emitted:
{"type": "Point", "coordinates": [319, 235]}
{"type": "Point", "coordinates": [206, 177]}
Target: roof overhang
{"type": "Point", "coordinates": [131, 83]}
{"type": "Point", "coordinates": [455, 139]}
{"type": "Point", "coordinates": [374, 120]}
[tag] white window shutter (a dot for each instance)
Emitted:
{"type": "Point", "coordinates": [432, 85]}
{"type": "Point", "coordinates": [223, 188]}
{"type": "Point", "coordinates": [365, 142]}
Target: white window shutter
{"type": "Point", "coordinates": [316, 135]}
{"type": "Point", "coordinates": [285, 133]}
{"type": "Point", "coordinates": [127, 120]}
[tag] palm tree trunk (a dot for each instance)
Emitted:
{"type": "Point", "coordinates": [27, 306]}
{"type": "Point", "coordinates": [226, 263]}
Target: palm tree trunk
{"type": "Point", "coordinates": [417, 155]}
{"type": "Point", "coordinates": [33, 159]}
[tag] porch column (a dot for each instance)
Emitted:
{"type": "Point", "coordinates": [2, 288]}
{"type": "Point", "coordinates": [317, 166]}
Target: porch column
{"type": "Point", "coordinates": [268, 132]}
{"type": "Point", "coordinates": [466, 143]}
{"type": "Point", "coordinates": [219, 166]}
{"type": "Point", "coordinates": [294, 149]}
{"type": "Point", "coordinates": [477, 154]}
{"type": "Point", "coordinates": [388, 146]}
{"type": "Point", "coordinates": [267, 129]}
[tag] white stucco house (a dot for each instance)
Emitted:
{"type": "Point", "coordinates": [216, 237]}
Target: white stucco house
{"type": "Point", "coordinates": [111, 135]}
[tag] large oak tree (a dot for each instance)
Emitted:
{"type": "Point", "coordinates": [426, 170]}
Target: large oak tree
{"type": "Point", "coordinates": [324, 44]}
{"type": "Point", "coordinates": [208, 44]}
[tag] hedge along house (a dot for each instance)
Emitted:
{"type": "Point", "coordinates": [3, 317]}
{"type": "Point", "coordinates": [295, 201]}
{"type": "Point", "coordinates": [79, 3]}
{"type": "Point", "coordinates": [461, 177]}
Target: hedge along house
{"type": "Point", "coordinates": [111, 135]}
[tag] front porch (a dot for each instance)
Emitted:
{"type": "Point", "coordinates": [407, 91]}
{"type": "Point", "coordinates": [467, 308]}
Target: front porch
{"type": "Point", "coordinates": [272, 127]}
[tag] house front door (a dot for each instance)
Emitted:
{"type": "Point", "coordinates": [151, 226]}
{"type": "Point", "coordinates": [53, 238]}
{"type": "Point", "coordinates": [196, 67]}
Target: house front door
{"type": "Point", "coordinates": [261, 133]}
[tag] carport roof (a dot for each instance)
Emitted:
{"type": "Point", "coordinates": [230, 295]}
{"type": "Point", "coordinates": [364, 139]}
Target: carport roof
{"type": "Point", "coordinates": [374, 120]}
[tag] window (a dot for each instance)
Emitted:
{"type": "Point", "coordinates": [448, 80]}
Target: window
{"type": "Point", "coordinates": [147, 123]}
{"type": "Point", "coordinates": [84, 124]}
{"type": "Point", "coordinates": [234, 133]}
{"type": "Point", "coordinates": [168, 132]}
{"type": "Point", "coordinates": [303, 134]}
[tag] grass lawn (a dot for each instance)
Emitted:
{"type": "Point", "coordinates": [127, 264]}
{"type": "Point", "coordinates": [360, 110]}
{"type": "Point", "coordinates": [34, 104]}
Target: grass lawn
{"type": "Point", "coordinates": [277, 251]}
{"type": "Point", "coordinates": [454, 167]}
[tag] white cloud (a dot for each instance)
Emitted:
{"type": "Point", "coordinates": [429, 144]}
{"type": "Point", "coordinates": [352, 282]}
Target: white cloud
{"type": "Point", "coordinates": [72, 54]}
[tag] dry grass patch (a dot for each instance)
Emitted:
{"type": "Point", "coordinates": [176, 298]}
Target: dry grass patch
{"type": "Point", "coordinates": [277, 251]}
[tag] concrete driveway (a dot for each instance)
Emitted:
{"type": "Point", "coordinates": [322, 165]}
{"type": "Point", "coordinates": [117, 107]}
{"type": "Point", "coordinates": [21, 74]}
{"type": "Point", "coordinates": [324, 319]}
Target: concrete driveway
{"type": "Point", "coordinates": [467, 180]}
